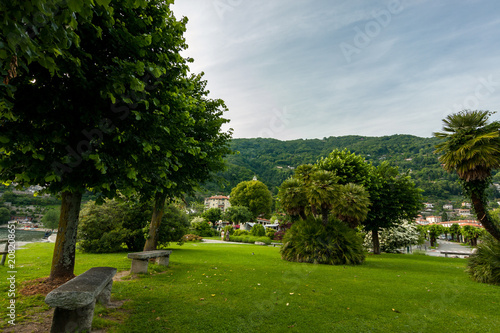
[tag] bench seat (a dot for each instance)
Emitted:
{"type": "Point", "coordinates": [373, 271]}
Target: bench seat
{"type": "Point", "coordinates": [75, 300]}
{"type": "Point", "coordinates": [140, 259]}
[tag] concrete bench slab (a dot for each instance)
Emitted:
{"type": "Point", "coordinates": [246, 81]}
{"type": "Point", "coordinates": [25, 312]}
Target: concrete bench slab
{"type": "Point", "coordinates": [75, 300]}
{"type": "Point", "coordinates": [140, 259]}
{"type": "Point", "coordinates": [458, 253]}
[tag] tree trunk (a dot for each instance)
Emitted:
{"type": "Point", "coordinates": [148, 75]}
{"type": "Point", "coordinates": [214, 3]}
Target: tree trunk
{"type": "Point", "coordinates": [376, 242]}
{"type": "Point", "coordinates": [154, 228]}
{"type": "Point", "coordinates": [484, 217]}
{"type": "Point", "coordinates": [63, 259]}
{"type": "Point", "coordinates": [324, 215]}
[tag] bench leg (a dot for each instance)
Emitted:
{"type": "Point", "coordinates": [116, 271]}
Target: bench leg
{"type": "Point", "coordinates": [105, 296]}
{"type": "Point", "coordinates": [78, 320]}
{"type": "Point", "coordinates": [139, 266]}
{"type": "Point", "coordinates": [163, 260]}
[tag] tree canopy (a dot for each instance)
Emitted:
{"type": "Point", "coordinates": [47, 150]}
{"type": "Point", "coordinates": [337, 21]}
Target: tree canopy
{"type": "Point", "coordinates": [121, 112]}
{"type": "Point", "coordinates": [252, 194]}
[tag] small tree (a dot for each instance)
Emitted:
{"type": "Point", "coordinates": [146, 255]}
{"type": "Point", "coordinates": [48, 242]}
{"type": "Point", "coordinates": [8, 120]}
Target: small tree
{"type": "Point", "coordinates": [238, 214]}
{"type": "Point", "coordinates": [252, 194]}
{"type": "Point", "coordinates": [4, 215]}
{"type": "Point", "coordinates": [258, 230]}
{"type": "Point", "coordinates": [212, 215]}
{"type": "Point", "coordinates": [434, 231]}
{"type": "Point", "coordinates": [50, 219]}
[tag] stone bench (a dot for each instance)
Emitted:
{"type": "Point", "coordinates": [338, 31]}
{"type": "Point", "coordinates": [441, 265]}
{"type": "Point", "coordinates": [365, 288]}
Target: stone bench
{"type": "Point", "coordinates": [140, 259]}
{"type": "Point", "coordinates": [74, 301]}
{"type": "Point", "coordinates": [458, 253]}
{"type": "Point", "coordinates": [278, 244]}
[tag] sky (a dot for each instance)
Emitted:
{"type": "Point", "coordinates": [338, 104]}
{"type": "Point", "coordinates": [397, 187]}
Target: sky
{"type": "Point", "coordinates": [305, 69]}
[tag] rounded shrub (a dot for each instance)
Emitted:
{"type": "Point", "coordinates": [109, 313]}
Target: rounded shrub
{"type": "Point", "coordinates": [270, 233]}
{"type": "Point", "coordinates": [239, 232]}
{"type": "Point", "coordinates": [484, 265]}
{"type": "Point", "coordinates": [258, 230]}
{"type": "Point", "coordinates": [334, 244]}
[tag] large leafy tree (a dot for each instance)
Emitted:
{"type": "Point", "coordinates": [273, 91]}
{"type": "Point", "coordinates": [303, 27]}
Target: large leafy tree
{"type": "Point", "coordinates": [470, 147]}
{"type": "Point", "coordinates": [253, 194]}
{"type": "Point", "coordinates": [37, 31]}
{"type": "Point", "coordinates": [119, 113]}
{"type": "Point", "coordinates": [394, 199]}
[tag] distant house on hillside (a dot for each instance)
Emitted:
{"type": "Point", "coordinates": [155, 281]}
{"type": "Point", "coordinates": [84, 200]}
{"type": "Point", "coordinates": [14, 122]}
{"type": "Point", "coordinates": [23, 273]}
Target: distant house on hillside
{"type": "Point", "coordinates": [433, 219]}
{"type": "Point", "coordinates": [217, 201]}
{"type": "Point", "coordinates": [448, 207]}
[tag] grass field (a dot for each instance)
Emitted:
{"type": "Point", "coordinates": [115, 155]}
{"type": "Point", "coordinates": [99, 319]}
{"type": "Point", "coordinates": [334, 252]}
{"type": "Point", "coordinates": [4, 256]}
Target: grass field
{"type": "Point", "coordinates": [248, 288]}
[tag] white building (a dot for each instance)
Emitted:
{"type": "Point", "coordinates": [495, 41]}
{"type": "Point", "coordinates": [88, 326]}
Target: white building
{"type": "Point", "coordinates": [217, 201]}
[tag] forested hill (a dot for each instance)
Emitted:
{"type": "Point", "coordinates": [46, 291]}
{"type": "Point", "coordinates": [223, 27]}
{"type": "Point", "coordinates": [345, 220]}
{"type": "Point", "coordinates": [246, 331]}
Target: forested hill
{"type": "Point", "coordinates": [272, 161]}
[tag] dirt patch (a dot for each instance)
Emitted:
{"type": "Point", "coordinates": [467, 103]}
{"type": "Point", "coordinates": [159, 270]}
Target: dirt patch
{"type": "Point", "coordinates": [42, 286]}
{"type": "Point", "coordinates": [38, 322]}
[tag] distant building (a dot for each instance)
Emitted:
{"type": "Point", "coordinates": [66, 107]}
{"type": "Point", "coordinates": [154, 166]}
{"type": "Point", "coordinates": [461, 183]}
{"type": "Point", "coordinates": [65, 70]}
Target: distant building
{"type": "Point", "coordinates": [448, 207]}
{"type": "Point", "coordinates": [433, 219]}
{"type": "Point", "coordinates": [466, 204]}
{"type": "Point", "coordinates": [218, 201]}
{"type": "Point", "coordinates": [462, 223]}
{"type": "Point", "coordinates": [463, 212]}
{"type": "Point", "coordinates": [428, 205]}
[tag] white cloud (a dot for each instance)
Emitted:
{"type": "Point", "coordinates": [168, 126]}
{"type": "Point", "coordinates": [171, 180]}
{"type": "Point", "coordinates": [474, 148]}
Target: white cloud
{"type": "Point", "coordinates": [265, 56]}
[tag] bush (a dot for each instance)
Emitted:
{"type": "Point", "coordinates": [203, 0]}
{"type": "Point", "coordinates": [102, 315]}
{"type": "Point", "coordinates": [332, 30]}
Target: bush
{"type": "Point", "coordinates": [484, 265]}
{"type": "Point", "coordinates": [108, 227]}
{"type": "Point", "coordinates": [203, 229]}
{"type": "Point", "coordinates": [240, 232]}
{"type": "Point", "coordinates": [192, 238]}
{"type": "Point", "coordinates": [258, 230]}
{"type": "Point", "coordinates": [249, 239]}
{"type": "Point", "coordinates": [270, 233]}
{"type": "Point", "coordinates": [310, 241]}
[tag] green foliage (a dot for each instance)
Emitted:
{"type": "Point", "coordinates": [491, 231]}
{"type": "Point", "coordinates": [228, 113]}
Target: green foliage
{"type": "Point", "coordinates": [238, 214]}
{"type": "Point", "coordinates": [252, 194]}
{"type": "Point", "coordinates": [228, 229]}
{"type": "Point", "coordinates": [313, 242]}
{"type": "Point", "coordinates": [50, 219]}
{"type": "Point", "coordinates": [239, 232]}
{"type": "Point", "coordinates": [484, 265]}
{"type": "Point", "coordinates": [212, 215]}
{"type": "Point", "coordinates": [203, 229]}
{"type": "Point", "coordinates": [258, 230]}
{"type": "Point", "coordinates": [349, 167]}
{"type": "Point", "coordinates": [4, 215]}
{"type": "Point", "coordinates": [270, 233]}
{"type": "Point", "coordinates": [108, 227]}
{"type": "Point", "coordinates": [269, 160]}
{"type": "Point", "coordinates": [250, 239]}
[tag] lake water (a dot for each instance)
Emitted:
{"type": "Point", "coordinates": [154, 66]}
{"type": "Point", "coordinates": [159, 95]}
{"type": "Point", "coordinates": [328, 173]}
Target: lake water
{"type": "Point", "coordinates": [23, 235]}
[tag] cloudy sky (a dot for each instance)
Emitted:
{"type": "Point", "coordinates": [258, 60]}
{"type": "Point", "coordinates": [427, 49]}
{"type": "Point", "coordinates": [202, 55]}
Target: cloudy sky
{"type": "Point", "coordinates": [291, 69]}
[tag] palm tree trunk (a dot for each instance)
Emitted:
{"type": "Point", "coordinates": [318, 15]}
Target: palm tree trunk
{"type": "Point", "coordinates": [154, 228]}
{"type": "Point", "coordinates": [324, 215]}
{"type": "Point", "coordinates": [483, 216]}
{"type": "Point", "coordinates": [63, 259]}
{"type": "Point", "coordinates": [375, 241]}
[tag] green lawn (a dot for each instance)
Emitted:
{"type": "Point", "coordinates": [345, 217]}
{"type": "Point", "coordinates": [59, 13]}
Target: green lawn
{"type": "Point", "coordinates": [248, 288]}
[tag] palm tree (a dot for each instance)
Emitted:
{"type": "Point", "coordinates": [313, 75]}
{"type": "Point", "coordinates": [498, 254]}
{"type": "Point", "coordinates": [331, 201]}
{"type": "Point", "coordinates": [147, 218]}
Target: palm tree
{"type": "Point", "coordinates": [352, 204]}
{"type": "Point", "coordinates": [322, 192]}
{"type": "Point", "coordinates": [292, 197]}
{"type": "Point", "coordinates": [471, 148]}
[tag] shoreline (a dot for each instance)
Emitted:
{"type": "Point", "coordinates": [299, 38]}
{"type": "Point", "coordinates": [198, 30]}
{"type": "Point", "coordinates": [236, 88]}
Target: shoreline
{"type": "Point", "coordinates": [19, 245]}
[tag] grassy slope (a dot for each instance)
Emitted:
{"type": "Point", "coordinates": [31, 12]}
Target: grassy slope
{"type": "Point", "coordinates": [222, 288]}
